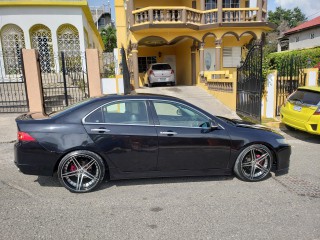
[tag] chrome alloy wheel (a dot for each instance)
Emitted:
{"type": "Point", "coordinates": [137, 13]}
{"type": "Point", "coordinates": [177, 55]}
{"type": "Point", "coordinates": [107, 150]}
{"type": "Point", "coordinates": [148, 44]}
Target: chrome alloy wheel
{"type": "Point", "coordinates": [254, 163]}
{"type": "Point", "coordinates": [81, 171]}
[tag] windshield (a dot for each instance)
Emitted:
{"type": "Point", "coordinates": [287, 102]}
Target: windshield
{"type": "Point", "coordinates": [306, 97]}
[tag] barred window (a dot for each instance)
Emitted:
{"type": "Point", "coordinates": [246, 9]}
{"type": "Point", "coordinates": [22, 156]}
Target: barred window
{"type": "Point", "coordinates": [144, 62]}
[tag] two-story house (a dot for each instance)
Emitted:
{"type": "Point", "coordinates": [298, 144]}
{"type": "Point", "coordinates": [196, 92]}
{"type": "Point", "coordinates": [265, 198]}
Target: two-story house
{"type": "Point", "coordinates": [193, 36]}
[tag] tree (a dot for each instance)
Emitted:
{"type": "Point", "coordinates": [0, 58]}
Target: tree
{"type": "Point", "coordinates": [293, 17]}
{"type": "Point", "coordinates": [284, 19]}
{"type": "Point", "coordinates": [109, 38]}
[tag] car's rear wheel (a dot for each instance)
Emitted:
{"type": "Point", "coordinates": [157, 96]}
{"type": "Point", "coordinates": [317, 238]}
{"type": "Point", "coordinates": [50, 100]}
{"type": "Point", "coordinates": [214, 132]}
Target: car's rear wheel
{"type": "Point", "coordinates": [254, 163]}
{"type": "Point", "coordinates": [81, 171]}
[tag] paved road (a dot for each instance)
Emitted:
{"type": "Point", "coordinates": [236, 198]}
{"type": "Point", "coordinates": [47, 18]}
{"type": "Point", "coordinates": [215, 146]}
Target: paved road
{"type": "Point", "coordinates": [285, 207]}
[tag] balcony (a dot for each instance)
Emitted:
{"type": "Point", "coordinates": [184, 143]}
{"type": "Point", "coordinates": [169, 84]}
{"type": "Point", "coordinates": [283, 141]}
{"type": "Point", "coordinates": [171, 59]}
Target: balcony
{"type": "Point", "coordinates": [154, 17]}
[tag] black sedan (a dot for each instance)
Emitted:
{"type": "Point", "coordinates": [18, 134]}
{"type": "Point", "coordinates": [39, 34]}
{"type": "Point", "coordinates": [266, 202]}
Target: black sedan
{"type": "Point", "coordinates": [143, 136]}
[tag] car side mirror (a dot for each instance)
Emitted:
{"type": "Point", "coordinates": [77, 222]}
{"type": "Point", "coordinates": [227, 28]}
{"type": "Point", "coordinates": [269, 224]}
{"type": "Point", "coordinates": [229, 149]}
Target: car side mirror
{"type": "Point", "coordinates": [209, 126]}
{"type": "Point", "coordinates": [213, 125]}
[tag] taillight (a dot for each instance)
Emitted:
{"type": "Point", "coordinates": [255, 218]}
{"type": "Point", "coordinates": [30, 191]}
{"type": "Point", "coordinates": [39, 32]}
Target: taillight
{"type": "Point", "coordinates": [317, 112]}
{"type": "Point", "coordinates": [172, 72]}
{"type": "Point", "coordinates": [151, 72]}
{"type": "Point", "coordinates": [25, 137]}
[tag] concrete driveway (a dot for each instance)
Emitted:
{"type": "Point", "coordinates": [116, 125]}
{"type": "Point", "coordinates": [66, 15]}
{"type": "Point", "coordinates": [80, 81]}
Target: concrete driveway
{"type": "Point", "coordinates": [284, 207]}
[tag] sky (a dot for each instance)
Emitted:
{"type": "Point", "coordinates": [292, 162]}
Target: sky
{"type": "Point", "coordinates": [311, 8]}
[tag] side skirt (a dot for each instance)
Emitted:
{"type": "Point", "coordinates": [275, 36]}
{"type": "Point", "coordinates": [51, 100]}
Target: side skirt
{"type": "Point", "coordinates": [116, 175]}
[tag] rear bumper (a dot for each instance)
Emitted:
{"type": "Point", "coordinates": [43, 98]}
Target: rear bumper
{"type": "Point", "coordinates": [310, 126]}
{"type": "Point", "coordinates": [162, 79]}
{"type": "Point", "coordinates": [32, 159]}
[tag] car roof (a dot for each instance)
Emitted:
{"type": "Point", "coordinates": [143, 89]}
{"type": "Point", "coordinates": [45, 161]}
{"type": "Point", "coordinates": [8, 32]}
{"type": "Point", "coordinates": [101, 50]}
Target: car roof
{"type": "Point", "coordinates": [136, 96]}
{"type": "Point", "coordinates": [314, 89]}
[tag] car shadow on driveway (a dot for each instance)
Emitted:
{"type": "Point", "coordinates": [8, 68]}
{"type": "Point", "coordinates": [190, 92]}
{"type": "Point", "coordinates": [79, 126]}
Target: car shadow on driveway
{"type": "Point", "coordinates": [300, 135]}
{"type": "Point", "coordinates": [47, 181]}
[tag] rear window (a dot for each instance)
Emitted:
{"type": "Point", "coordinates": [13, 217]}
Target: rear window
{"type": "Point", "coordinates": [306, 97]}
{"type": "Point", "coordinates": [161, 67]}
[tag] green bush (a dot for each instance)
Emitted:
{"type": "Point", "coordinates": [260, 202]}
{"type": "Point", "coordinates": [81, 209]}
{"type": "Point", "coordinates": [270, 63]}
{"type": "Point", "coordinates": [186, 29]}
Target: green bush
{"type": "Point", "coordinates": [273, 60]}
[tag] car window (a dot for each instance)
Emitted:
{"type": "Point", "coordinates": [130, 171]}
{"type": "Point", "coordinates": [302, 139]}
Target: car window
{"type": "Point", "coordinates": [161, 67]}
{"type": "Point", "coordinates": [121, 112]}
{"type": "Point", "coordinates": [179, 115]}
{"type": "Point", "coordinates": [305, 96]}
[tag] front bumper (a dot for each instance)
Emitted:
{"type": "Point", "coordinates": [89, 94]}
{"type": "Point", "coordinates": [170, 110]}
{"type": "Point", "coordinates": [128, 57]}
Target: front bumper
{"type": "Point", "coordinates": [283, 160]}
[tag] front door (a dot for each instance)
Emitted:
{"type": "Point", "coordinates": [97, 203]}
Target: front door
{"type": "Point", "coordinates": [183, 142]}
{"type": "Point", "coordinates": [123, 131]}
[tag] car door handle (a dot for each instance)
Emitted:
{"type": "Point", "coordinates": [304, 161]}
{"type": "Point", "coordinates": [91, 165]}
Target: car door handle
{"type": "Point", "coordinates": [168, 133]}
{"type": "Point", "coordinates": [100, 130]}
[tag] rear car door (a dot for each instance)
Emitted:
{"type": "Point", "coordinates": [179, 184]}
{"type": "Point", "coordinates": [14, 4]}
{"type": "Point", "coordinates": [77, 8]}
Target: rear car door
{"type": "Point", "coordinates": [124, 132]}
{"type": "Point", "coordinates": [184, 144]}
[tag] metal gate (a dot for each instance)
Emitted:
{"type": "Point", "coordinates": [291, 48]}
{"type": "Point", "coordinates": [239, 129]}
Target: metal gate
{"type": "Point", "coordinates": [249, 84]}
{"type": "Point", "coordinates": [126, 73]}
{"type": "Point", "coordinates": [64, 80]}
{"type": "Point", "coordinates": [290, 77]}
{"type": "Point", "coordinates": [13, 92]}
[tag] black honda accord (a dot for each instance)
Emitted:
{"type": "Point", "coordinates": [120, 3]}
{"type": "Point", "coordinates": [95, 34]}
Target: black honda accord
{"type": "Point", "coordinates": [144, 136]}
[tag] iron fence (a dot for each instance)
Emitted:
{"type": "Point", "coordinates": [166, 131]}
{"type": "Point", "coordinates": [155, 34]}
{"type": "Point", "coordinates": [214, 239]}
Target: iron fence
{"type": "Point", "coordinates": [249, 84]}
{"type": "Point", "coordinates": [290, 77]}
{"type": "Point", "coordinates": [66, 82]}
{"type": "Point", "coordinates": [13, 93]}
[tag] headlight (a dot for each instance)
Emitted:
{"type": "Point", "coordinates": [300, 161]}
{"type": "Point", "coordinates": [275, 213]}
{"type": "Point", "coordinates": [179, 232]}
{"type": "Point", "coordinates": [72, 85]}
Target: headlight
{"type": "Point", "coordinates": [282, 141]}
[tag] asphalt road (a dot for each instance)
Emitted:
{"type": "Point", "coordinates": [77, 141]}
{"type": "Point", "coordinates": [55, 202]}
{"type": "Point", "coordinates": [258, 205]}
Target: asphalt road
{"type": "Point", "coordinates": [284, 207]}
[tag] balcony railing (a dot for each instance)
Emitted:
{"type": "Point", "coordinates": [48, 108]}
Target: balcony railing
{"type": "Point", "coordinates": [167, 15]}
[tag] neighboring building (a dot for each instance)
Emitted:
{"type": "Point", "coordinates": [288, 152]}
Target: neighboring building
{"type": "Point", "coordinates": [305, 35]}
{"type": "Point", "coordinates": [102, 16]}
{"type": "Point", "coordinates": [48, 26]}
{"type": "Point", "coordinates": [192, 36]}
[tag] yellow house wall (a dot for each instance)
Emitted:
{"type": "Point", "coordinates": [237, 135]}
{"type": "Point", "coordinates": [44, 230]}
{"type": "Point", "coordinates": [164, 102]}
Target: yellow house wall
{"type": "Point", "coordinates": [183, 62]}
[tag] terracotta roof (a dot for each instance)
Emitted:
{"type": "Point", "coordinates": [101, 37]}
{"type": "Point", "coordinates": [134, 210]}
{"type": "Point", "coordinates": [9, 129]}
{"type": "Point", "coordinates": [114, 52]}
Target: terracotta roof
{"type": "Point", "coordinates": [306, 25]}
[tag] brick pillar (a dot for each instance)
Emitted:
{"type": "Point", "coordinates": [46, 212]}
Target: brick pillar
{"type": "Point", "coordinates": [193, 65]}
{"type": "Point", "coordinates": [93, 69]}
{"type": "Point", "coordinates": [202, 8]}
{"type": "Point", "coordinates": [218, 43]}
{"type": "Point", "coordinates": [135, 64]}
{"type": "Point", "coordinates": [33, 80]}
{"type": "Point", "coordinates": [219, 6]}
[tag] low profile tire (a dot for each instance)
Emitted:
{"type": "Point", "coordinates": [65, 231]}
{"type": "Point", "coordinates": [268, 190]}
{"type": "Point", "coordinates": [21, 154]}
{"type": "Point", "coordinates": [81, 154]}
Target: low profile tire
{"type": "Point", "coordinates": [81, 171]}
{"type": "Point", "coordinates": [254, 163]}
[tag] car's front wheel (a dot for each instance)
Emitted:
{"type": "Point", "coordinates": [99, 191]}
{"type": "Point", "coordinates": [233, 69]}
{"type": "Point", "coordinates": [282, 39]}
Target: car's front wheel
{"type": "Point", "coordinates": [254, 163]}
{"type": "Point", "coordinates": [81, 171]}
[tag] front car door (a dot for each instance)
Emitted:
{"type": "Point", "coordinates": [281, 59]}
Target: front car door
{"type": "Point", "coordinates": [185, 143]}
{"type": "Point", "coordinates": [125, 133]}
